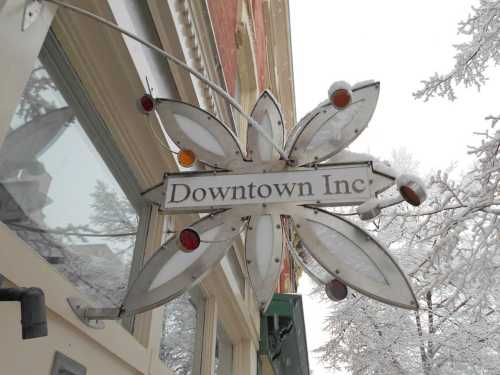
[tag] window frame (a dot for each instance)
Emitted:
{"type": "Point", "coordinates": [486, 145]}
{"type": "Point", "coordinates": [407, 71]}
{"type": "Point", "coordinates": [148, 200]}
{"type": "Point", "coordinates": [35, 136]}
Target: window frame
{"type": "Point", "coordinates": [68, 83]}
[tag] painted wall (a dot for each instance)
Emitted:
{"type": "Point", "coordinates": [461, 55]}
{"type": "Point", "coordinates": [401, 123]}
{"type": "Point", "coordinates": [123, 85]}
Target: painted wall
{"type": "Point", "coordinates": [225, 15]}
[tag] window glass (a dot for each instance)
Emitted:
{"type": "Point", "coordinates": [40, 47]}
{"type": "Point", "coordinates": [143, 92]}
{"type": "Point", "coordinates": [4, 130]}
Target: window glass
{"type": "Point", "coordinates": [182, 333]}
{"type": "Point", "coordinates": [58, 195]}
{"type": "Point", "coordinates": [223, 352]}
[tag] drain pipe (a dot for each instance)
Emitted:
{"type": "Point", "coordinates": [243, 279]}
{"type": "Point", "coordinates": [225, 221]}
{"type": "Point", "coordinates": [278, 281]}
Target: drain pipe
{"type": "Point", "coordinates": [33, 310]}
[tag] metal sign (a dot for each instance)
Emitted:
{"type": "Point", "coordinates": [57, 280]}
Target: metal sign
{"type": "Point", "coordinates": [324, 186]}
{"type": "Point", "coordinates": [269, 197]}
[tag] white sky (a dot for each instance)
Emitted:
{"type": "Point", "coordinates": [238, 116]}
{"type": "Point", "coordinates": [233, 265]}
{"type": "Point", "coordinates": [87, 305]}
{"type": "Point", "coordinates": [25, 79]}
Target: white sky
{"type": "Point", "coordinates": [399, 44]}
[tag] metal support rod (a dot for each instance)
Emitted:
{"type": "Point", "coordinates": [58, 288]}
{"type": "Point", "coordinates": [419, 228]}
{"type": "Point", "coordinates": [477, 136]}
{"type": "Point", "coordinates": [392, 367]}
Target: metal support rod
{"type": "Point", "coordinates": [392, 201]}
{"type": "Point", "coordinates": [175, 60]}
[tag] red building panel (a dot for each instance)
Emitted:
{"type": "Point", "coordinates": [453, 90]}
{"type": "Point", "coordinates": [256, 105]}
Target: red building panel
{"type": "Point", "coordinates": [224, 16]}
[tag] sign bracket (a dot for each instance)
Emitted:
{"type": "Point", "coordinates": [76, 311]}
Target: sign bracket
{"type": "Point", "coordinates": [93, 317]}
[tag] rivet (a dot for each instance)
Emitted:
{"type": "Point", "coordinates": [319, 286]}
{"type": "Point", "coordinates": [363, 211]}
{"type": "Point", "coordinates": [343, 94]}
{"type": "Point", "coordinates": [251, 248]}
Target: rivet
{"type": "Point", "coordinates": [264, 205]}
{"type": "Point", "coordinates": [276, 260]}
{"type": "Point", "coordinates": [370, 182]}
{"type": "Point", "coordinates": [337, 271]}
{"type": "Point", "coordinates": [278, 226]}
{"type": "Point", "coordinates": [250, 228]}
{"type": "Point", "coordinates": [298, 225]}
{"type": "Point", "coordinates": [249, 261]}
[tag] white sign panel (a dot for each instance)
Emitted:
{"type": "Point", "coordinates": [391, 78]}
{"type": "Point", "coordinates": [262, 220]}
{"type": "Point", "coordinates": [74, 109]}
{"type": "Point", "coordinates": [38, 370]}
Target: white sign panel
{"type": "Point", "coordinates": [323, 186]}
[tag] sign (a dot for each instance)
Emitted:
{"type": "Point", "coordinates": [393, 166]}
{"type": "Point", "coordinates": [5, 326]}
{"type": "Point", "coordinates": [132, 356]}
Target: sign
{"type": "Point", "coordinates": [326, 186]}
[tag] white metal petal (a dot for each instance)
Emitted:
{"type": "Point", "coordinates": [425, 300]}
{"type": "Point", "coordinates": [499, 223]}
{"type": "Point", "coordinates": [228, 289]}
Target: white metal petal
{"type": "Point", "coordinates": [199, 131]}
{"type": "Point", "coordinates": [327, 130]}
{"type": "Point", "coordinates": [311, 266]}
{"type": "Point", "coordinates": [353, 256]}
{"type": "Point", "coordinates": [170, 271]}
{"type": "Point", "coordinates": [268, 114]}
{"type": "Point", "coordinates": [264, 253]}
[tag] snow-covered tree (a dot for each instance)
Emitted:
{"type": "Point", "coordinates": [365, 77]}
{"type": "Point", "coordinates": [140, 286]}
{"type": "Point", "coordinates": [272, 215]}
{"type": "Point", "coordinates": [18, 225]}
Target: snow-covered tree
{"type": "Point", "coordinates": [450, 247]}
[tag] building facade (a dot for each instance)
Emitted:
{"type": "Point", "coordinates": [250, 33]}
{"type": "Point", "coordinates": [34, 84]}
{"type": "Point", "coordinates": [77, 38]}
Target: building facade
{"type": "Point", "coordinates": [76, 153]}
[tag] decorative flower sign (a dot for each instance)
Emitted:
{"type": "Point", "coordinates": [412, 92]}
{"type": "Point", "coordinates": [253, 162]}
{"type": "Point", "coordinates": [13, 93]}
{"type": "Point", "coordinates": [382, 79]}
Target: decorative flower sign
{"type": "Point", "coordinates": [260, 193]}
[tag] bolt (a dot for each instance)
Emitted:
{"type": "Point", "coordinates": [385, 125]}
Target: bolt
{"type": "Point", "coordinates": [276, 260]}
{"type": "Point", "coordinates": [264, 205]}
{"type": "Point", "coordinates": [278, 226]}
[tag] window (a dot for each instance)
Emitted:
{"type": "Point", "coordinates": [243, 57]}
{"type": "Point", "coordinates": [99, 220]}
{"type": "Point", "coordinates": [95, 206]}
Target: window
{"type": "Point", "coordinates": [58, 194]}
{"type": "Point", "coordinates": [223, 352]}
{"type": "Point", "coordinates": [234, 264]}
{"type": "Point", "coordinates": [182, 333]}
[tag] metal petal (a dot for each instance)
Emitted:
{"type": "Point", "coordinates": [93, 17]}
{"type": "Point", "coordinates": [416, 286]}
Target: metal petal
{"type": "Point", "coordinates": [170, 271]}
{"type": "Point", "coordinates": [264, 253]}
{"type": "Point", "coordinates": [353, 256]}
{"type": "Point", "coordinates": [311, 266]}
{"type": "Point", "coordinates": [326, 130]}
{"type": "Point", "coordinates": [268, 114]}
{"type": "Point", "coordinates": [199, 131]}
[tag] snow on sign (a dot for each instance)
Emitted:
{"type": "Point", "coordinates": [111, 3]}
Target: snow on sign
{"type": "Point", "coordinates": [273, 190]}
{"type": "Point", "coordinates": [322, 186]}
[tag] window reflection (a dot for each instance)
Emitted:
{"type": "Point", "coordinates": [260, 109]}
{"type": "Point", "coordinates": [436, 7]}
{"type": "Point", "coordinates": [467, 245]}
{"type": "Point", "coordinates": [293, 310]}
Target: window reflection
{"type": "Point", "coordinates": [182, 334]}
{"type": "Point", "coordinates": [59, 196]}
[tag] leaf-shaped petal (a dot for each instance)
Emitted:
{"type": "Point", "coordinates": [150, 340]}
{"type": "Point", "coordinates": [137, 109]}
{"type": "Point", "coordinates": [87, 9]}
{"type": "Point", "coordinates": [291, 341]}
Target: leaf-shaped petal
{"type": "Point", "coordinates": [170, 271]}
{"type": "Point", "coordinates": [268, 114]}
{"type": "Point", "coordinates": [28, 141]}
{"type": "Point", "coordinates": [199, 131]}
{"type": "Point", "coordinates": [353, 256]}
{"type": "Point", "coordinates": [310, 265]}
{"type": "Point", "coordinates": [327, 130]}
{"type": "Point", "coordinates": [264, 252]}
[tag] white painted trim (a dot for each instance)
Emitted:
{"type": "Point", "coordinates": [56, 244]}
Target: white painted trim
{"type": "Point", "coordinates": [24, 267]}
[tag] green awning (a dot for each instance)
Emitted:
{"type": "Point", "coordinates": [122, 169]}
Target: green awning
{"type": "Point", "coordinates": [283, 335]}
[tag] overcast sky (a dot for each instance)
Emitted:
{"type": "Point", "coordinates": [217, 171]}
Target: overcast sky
{"type": "Point", "coordinates": [399, 44]}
